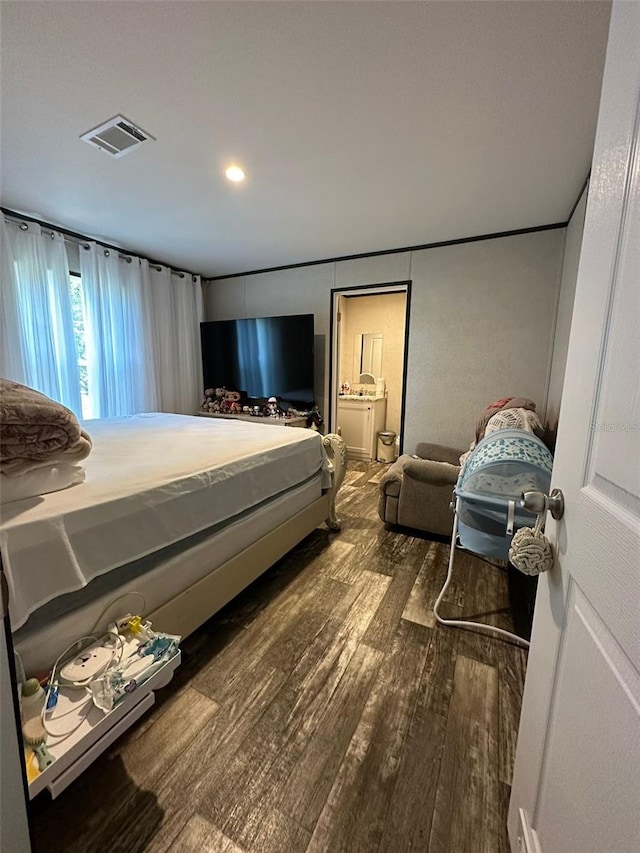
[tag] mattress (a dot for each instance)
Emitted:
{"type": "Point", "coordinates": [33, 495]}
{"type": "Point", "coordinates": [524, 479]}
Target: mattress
{"type": "Point", "coordinates": [152, 480]}
{"type": "Point", "coordinates": [159, 577]}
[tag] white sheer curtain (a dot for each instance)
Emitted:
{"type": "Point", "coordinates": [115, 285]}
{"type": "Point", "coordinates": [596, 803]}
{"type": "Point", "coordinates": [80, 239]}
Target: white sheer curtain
{"type": "Point", "coordinates": [38, 345]}
{"type": "Point", "coordinates": [12, 353]}
{"type": "Point", "coordinates": [119, 334]}
{"type": "Point", "coordinates": [141, 326]}
{"type": "Point", "coordinates": [177, 310]}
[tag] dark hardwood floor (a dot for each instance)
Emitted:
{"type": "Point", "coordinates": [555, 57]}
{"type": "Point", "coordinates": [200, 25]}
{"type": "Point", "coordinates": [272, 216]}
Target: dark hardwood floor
{"type": "Point", "coordinates": [321, 710]}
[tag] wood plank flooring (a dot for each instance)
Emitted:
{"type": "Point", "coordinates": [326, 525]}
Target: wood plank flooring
{"type": "Point", "coordinates": [321, 710]}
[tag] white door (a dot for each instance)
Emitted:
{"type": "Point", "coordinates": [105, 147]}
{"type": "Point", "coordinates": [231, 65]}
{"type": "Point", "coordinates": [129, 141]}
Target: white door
{"type": "Point", "coordinates": [576, 786]}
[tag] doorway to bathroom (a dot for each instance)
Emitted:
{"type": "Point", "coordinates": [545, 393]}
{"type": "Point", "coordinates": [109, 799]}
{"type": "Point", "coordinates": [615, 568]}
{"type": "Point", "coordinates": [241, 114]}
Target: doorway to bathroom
{"type": "Point", "coordinates": [368, 367]}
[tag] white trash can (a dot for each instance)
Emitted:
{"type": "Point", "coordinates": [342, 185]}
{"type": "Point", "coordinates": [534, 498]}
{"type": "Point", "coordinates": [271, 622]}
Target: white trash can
{"type": "Point", "coordinates": [386, 446]}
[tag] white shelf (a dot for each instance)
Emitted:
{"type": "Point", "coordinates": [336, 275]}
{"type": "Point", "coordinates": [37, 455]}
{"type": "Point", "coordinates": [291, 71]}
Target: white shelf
{"type": "Point", "coordinates": [367, 398]}
{"type": "Point", "coordinates": [298, 421]}
{"type": "Point", "coordinates": [99, 729]}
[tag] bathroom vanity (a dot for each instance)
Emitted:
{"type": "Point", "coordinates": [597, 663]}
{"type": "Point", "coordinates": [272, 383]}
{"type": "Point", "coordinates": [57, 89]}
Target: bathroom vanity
{"type": "Point", "coordinates": [360, 418]}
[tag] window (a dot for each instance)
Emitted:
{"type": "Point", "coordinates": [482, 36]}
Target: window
{"type": "Point", "coordinates": [77, 308]}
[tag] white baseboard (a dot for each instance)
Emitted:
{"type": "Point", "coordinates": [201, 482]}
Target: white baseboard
{"type": "Point", "coordinates": [528, 841]}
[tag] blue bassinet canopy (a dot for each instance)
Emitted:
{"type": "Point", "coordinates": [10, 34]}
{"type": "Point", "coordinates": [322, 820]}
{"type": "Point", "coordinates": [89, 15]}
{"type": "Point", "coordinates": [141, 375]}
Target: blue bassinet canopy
{"type": "Point", "coordinates": [503, 465]}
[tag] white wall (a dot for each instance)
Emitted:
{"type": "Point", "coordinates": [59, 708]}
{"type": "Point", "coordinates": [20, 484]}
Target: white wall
{"type": "Point", "coordinates": [565, 309]}
{"type": "Point", "coordinates": [482, 322]}
{"type": "Point", "coordinates": [482, 317]}
{"type": "Point", "coordinates": [299, 291]}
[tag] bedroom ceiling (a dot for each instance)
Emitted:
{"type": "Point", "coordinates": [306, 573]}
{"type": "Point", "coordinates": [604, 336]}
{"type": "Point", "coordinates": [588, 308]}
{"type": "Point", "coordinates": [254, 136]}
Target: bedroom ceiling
{"type": "Point", "coordinates": [361, 126]}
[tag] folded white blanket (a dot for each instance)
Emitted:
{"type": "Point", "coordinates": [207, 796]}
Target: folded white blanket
{"type": "Point", "coordinates": [40, 481]}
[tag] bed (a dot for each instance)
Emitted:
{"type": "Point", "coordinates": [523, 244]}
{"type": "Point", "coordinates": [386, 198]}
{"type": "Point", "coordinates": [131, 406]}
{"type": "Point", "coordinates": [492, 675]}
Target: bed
{"type": "Point", "coordinates": [186, 511]}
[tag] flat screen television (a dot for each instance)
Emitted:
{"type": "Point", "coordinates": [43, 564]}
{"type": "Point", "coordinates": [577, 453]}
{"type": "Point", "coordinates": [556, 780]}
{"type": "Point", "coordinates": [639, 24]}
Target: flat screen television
{"type": "Point", "coordinates": [261, 357]}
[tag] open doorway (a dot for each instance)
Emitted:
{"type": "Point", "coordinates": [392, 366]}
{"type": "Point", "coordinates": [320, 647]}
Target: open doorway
{"type": "Point", "coordinates": [367, 379]}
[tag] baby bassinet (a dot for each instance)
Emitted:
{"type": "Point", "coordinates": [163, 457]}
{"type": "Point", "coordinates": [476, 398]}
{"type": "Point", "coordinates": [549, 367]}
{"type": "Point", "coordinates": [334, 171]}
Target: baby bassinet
{"type": "Point", "coordinates": [489, 507]}
{"type": "Point", "coordinates": [502, 466]}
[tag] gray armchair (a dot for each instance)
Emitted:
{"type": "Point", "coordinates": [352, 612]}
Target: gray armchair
{"type": "Point", "coordinates": [416, 491]}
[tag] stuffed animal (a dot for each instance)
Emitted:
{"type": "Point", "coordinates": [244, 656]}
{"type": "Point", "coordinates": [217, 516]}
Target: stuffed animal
{"type": "Point", "coordinates": [208, 400]}
{"type": "Point", "coordinates": [314, 418]}
{"type": "Point", "coordinates": [217, 402]}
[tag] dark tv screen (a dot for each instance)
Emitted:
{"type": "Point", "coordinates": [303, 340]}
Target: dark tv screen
{"type": "Point", "coordinates": [262, 357]}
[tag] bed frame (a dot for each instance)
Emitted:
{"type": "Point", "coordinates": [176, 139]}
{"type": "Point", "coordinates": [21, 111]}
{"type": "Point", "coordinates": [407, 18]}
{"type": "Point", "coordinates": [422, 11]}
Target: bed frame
{"type": "Point", "coordinates": [194, 605]}
{"type": "Point", "coordinates": [182, 615]}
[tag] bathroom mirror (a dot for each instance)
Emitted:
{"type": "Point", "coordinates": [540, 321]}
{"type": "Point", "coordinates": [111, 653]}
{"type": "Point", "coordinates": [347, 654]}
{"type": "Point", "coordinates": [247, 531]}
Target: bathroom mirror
{"type": "Point", "coordinates": [369, 345]}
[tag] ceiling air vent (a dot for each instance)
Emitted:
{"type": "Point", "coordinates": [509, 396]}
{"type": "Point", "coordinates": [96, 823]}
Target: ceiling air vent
{"type": "Point", "coordinates": [116, 137]}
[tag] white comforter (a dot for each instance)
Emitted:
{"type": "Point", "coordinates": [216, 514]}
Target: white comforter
{"type": "Point", "coordinates": [151, 480]}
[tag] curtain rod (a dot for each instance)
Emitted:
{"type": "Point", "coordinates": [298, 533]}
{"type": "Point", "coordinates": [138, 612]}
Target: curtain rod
{"type": "Point", "coordinates": [81, 240]}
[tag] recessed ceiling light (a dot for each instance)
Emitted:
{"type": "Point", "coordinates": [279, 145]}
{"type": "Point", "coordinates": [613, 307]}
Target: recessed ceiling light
{"type": "Point", "coordinates": [235, 174]}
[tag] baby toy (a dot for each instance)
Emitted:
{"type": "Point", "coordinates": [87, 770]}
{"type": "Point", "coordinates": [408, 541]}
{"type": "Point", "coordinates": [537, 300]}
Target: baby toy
{"type": "Point", "coordinates": [207, 403]}
{"type": "Point", "coordinates": [219, 400]}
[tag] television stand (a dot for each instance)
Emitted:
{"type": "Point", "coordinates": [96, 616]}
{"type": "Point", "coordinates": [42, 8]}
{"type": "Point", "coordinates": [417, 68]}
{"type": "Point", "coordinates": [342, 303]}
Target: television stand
{"type": "Point", "coordinates": [298, 421]}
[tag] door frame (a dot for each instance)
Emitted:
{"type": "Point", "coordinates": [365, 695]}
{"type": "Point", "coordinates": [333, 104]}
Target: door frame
{"type": "Point", "coordinates": [334, 354]}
